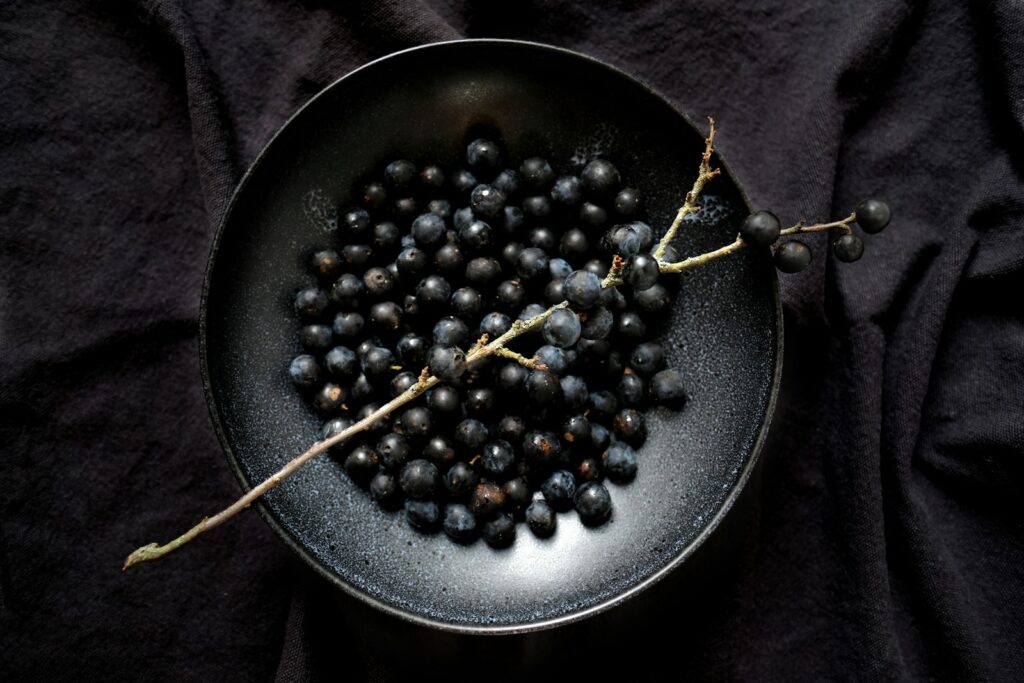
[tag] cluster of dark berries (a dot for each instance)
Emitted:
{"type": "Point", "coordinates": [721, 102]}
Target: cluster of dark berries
{"type": "Point", "coordinates": [433, 260]}
{"type": "Point", "coordinates": [762, 229]}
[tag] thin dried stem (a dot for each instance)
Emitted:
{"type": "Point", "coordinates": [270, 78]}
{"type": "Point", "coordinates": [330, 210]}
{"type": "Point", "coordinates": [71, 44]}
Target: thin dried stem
{"type": "Point", "coordinates": [704, 174]}
{"type": "Point", "coordinates": [531, 363]}
{"type": "Point", "coordinates": [798, 229]}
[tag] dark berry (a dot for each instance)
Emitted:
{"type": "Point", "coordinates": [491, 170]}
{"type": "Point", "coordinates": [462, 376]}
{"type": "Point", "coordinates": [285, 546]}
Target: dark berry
{"type": "Point", "coordinates": [356, 256]}
{"type": "Point", "coordinates": [623, 240]}
{"type": "Point", "coordinates": [512, 428]}
{"type": "Point", "coordinates": [422, 515]}
{"type": "Point", "coordinates": [386, 236]}
{"type": "Point", "coordinates": [559, 489]}
{"type": "Point", "coordinates": [627, 201]}
{"type": "Point", "coordinates": [348, 291]}
{"type": "Point", "coordinates": [543, 386]}
{"type": "Point", "coordinates": [597, 323]}
{"type": "Point", "coordinates": [641, 272]}
{"type": "Point", "coordinates": [483, 270]}
{"type": "Point", "coordinates": [471, 434]}
{"type": "Point", "coordinates": [486, 499]}
{"type": "Point", "coordinates": [541, 448]}
{"type": "Point", "coordinates": [873, 215]}
{"type": "Point", "coordinates": [760, 228]}
{"type": "Point", "coordinates": [329, 398]}
{"type": "Point", "coordinates": [574, 244]}
{"type": "Point", "coordinates": [449, 258]}
{"type": "Point", "coordinates": [362, 388]}
{"type": "Point", "coordinates": [386, 315]}
{"type": "Point", "coordinates": [487, 201]}
{"type": "Point", "coordinates": [450, 331]}
{"type": "Point", "coordinates": [477, 236]}
{"type": "Point", "coordinates": [304, 371]}
{"type": "Point", "coordinates": [620, 462]}
{"type": "Point", "coordinates": [647, 358]}
{"type": "Point", "coordinates": [631, 389]}
{"type": "Point", "coordinates": [379, 281]}
{"type": "Point", "coordinates": [440, 450]}
{"type": "Point", "coordinates": [567, 191]}
{"type": "Point", "coordinates": [461, 480]}
{"type": "Point", "coordinates": [310, 304]}
{"type": "Point", "coordinates": [444, 400]}
{"type": "Point", "coordinates": [440, 207]}
{"type": "Point", "coordinates": [540, 518]}
{"type": "Point", "coordinates": [416, 423]}
{"type": "Point", "coordinates": [792, 256]}
{"type": "Point", "coordinates": [499, 532]}
{"type": "Point", "coordinates": [466, 302]}
{"type": "Point", "coordinates": [574, 392]}
{"type": "Point", "coordinates": [355, 223]}
{"type": "Point", "coordinates": [406, 207]}
{"type": "Point", "coordinates": [559, 268]}
{"type": "Point", "coordinates": [336, 426]}
{"type": "Point", "coordinates": [537, 207]}
{"type": "Point", "coordinates": [562, 328]}
{"type": "Point", "coordinates": [531, 311]}
{"type": "Point", "coordinates": [543, 238]}
{"type": "Point", "coordinates": [553, 358]}
{"type": "Point", "coordinates": [464, 181]}
{"type": "Point", "coordinates": [419, 479]}
{"type": "Point", "coordinates": [361, 464]}
{"type": "Point", "coordinates": [497, 458]}
{"type": "Point", "coordinates": [593, 503]}
{"type": "Point", "coordinates": [433, 292]}
{"type": "Point", "coordinates": [597, 267]}
{"type": "Point", "coordinates": [402, 382]}
{"type": "Point", "coordinates": [629, 426]}
{"type": "Point", "coordinates": [507, 181]}
{"type": "Point", "coordinates": [393, 450]}
{"type": "Point", "coordinates": [848, 248]}
{"type": "Point", "coordinates": [517, 495]}
{"type": "Point", "coordinates": [588, 469]}
{"type": "Point", "coordinates": [600, 177]}
{"type": "Point", "coordinates": [479, 401]}
{"type": "Point", "coordinates": [400, 174]}
{"type": "Point", "coordinates": [342, 362]}
{"type": "Point", "coordinates": [378, 361]}
{"type": "Point", "coordinates": [600, 437]}
{"type": "Point", "coordinates": [603, 403]}
{"type": "Point", "coordinates": [316, 337]}
{"type": "Point", "coordinates": [532, 262]}
{"type": "Point", "coordinates": [432, 177]}
{"type": "Point", "coordinates": [652, 299]}
{"type": "Point", "coordinates": [446, 362]}
{"type": "Point", "coordinates": [384, 489]}
{"type": "Point", "coordinates": [667, 387]}
{"type": "Point", "coordinates": [583, 289]}
{"type": "Point", "coordinates": [483, 155]}
{"type": "Point", "coordinates": [512, 219]}
{"type": "Point", "coordinates": [495, 324]}
{"type": "Point", "coordinates": [459, 523]}
{"type": "Point", "coordinates": [576, 429]}
{"type": "Point", "coordinates": [536, 173]}
{"type": "Point", "coordinates": [510, 295]}
{"type": "Point", "coordinates": [374, 195]}
{"type": "Point", "coordinates": [593, 215]}
{"type": "Point", "coordinates": [630, 326]}
{"type": "Point", "coordinates": [411, 261]}
{"type": "Point", "coordinates": [554, 292]}
{"type": "Point", "coordinates": [412, 350]}
{"type": "Point", "coordinates": [429, 230]}
{"type": "Point", "coordinates": [326, 264]}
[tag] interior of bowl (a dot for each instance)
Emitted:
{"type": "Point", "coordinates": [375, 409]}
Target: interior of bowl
{"type": "Point", "coordinates": [423, 104]}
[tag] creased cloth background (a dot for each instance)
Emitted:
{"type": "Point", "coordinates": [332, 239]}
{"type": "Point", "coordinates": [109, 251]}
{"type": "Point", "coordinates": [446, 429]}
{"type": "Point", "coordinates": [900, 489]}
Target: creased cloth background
{"type": "Point", "coordinates": [888, 541]}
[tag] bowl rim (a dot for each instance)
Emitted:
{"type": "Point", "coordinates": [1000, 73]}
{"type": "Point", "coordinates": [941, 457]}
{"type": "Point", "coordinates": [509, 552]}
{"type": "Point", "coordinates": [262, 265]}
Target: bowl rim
{"type": "Point", "coordinates": [313, 561]}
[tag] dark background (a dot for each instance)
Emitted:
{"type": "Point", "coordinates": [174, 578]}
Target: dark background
{"type": "Point", "coordinates": [887, 539]}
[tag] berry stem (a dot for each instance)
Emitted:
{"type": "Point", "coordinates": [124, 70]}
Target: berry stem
{"type": "Point", "coordinates": [798, 229]}
{"type": "Point", "coordinates": [704, 174]}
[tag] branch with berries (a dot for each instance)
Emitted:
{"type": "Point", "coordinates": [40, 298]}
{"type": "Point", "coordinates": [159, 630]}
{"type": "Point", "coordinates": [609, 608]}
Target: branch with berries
{"type": "Point", "coordinates": [639, 263]}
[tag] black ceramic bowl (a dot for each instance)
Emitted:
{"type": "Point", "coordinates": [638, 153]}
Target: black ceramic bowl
{"type": "Point", "coordinates": [724, 333]}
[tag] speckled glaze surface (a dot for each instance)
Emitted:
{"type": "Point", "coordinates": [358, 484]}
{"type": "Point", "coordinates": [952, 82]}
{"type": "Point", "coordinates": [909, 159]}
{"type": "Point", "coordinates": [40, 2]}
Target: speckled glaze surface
{"type": "Point", "coordinates": [724, 333]}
